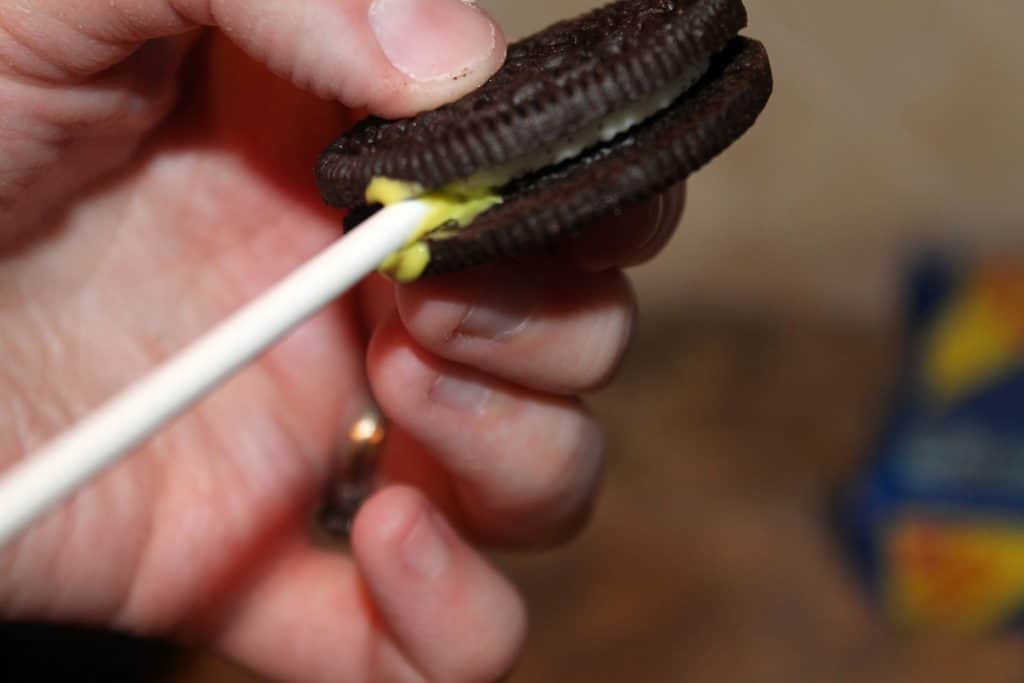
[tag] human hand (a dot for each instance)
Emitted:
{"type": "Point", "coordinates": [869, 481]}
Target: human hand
{"type": "Point", "coordinates": [127, 230]}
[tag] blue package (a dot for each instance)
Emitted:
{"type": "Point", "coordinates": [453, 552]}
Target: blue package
{"type": "Point", "coordinates": [935, 522]}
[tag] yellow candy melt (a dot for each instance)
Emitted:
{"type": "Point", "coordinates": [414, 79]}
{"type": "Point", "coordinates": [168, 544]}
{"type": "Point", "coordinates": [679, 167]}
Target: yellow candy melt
{"type": "Point", "coordinates": [388, 191]}
{"type": "Point", "coordinates": [457, 203]}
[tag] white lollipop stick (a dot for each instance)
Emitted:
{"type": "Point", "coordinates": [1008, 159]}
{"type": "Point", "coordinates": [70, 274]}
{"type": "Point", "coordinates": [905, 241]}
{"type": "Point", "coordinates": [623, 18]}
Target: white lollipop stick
{"type": "Point", "coordinates": [72, 459]}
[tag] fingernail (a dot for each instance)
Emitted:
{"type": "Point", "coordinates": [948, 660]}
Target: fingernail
{"type": "Point", "coordinates": [671, 208]}
{"type": "Point", "coordinates": [492, 323]}
{"type": "Point", "coordinates": [460, 393]}
{"type": "Point", "coordinates": [424, 549]}
{"type": "Point", "coordinates": [430, 40]}
{"type": "Point", "coordinates": [658, 217]}
{"type": "Point", "coordinates": [665, 218]}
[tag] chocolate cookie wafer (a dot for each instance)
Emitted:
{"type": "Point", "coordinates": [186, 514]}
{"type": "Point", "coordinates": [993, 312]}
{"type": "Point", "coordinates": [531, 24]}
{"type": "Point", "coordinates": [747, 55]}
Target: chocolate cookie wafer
{"type": "Point", "coordinates": [587, 116]}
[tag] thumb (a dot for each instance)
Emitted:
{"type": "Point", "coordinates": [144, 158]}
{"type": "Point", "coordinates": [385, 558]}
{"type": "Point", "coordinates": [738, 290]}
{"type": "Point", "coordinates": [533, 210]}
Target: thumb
{"type": "Point", "coordinates": [393, 57]}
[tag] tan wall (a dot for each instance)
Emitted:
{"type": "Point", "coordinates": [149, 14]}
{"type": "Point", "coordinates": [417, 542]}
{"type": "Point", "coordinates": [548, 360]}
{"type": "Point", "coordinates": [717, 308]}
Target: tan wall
{"type": "Point", "coordinates": [893, 123]}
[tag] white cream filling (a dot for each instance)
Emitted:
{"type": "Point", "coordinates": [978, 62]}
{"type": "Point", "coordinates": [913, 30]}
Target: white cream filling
{"type": "Point", "coordinates": [595, 134]}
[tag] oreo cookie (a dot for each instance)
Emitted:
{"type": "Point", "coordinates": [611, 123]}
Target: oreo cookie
{"type": "Point", "coordinates": [585, 117]}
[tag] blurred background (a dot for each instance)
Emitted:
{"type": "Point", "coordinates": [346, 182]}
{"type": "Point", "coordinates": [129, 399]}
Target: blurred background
{"type": "Point", "coordinates": [770, 345]}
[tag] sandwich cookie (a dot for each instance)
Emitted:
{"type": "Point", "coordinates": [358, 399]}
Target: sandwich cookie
{"type": "Point", "coordinates": [588, 116]}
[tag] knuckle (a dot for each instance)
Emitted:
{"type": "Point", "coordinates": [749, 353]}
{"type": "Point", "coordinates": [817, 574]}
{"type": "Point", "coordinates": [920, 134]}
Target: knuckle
{"type": "Point", "coordinates": [496, 649]}
{"type": "Point", "coordinates": [567, 476]}
{"type": "Point", "coordinates": [543, 499]}
{"type": "Point", "coordinates": [570, 501]}
{"type": "Point", "coordinates": [606, 339]}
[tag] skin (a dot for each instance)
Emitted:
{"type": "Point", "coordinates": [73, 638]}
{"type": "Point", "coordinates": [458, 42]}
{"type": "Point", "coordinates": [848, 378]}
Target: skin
{"type": "Point", "coordinates": [152, 179]}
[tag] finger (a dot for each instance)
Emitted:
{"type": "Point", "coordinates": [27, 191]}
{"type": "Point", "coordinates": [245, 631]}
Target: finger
{"type": "Point", "coordinates": [394, 57]}
{"type": "Point", "coordinates": [454, 615]}
{"type": "Point", "coordinates": [628, 237]}
{"type": "Point", "coordinates": [312, 616]}
{"type": "Point", "coordinates": [524, 465]}
{"type": "Point", "coordinates": [550, 329]}
{"type": "Point", "coordinates": [307, 617]}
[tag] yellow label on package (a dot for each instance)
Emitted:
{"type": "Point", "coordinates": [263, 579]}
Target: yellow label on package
{"type": "Point", "coordinates": [964, 577]}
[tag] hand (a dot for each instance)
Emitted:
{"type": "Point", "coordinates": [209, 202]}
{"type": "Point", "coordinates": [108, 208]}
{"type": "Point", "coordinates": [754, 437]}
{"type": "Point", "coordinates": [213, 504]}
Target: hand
{"type": "Point", "coordinates": [154, 178]}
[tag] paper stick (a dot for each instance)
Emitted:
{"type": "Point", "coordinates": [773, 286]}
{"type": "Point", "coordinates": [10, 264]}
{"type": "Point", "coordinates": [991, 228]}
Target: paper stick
{"type": "Point", "coordinates": [71, 460]}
